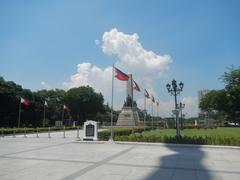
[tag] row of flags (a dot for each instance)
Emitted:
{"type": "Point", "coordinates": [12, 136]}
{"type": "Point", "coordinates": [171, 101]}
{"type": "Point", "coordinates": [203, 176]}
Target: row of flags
{"type": "Point", "coordinates": [26, 103]}
{"type": "Point", "coordinates": [117, 74]}
{"type": "Point", "coordinates": [120, 76]}
{"type": "Point", "coordinates": [45, 105]}
{"type": "Point", "coordinates": [124, 77]}
{"type": "Point", "coordinates": [146, 94]}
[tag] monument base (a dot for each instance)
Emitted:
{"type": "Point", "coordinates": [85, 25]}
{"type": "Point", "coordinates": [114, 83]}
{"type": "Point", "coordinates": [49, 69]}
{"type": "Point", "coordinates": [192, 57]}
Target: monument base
{"type": "Point", "coordinates": [128, 117]}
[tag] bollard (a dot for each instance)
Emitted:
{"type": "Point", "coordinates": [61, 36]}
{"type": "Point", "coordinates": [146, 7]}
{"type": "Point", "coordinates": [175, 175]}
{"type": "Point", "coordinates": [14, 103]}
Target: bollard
{"type": "Point", "coordinates": [25, 132]}
{"type": "Point", "coordinates": [49, 136]}
{"type": "Point", "coordinates": [78, 133]}
{"type": "Point", "coordinates": [2, 133]}
{"type": "Point", "coordinates": [37, 133]}
{"type": "Point", "coordinates": [14, 133]}
{"type": "Point", "coordinates": [64, 129]}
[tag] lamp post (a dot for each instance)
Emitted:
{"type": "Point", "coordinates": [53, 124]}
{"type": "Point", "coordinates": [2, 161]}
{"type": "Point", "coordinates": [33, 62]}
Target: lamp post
{"type": "Point", "coordinates": [175, 90]}
{"type": "Point", "coordinates": [181, 108]}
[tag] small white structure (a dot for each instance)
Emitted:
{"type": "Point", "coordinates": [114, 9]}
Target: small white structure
{"type": "Point", "coordinates": [195, 123]}
{"type": "Point", "coordinates": [74, 124]}
{"type": "Point", "coordinates": [90, 131]}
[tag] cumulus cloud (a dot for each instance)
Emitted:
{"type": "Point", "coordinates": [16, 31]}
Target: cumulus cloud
{"type": "Point", "coordinates": [145, 65]}
{"type": "Point", "coordinates": [100, 80]}
{"type": "Point", "coordinates": [132, 56]}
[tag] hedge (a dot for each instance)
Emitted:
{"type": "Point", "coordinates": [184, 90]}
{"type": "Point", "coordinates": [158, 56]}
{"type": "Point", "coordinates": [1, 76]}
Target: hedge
{"type": "Point", "coordinates": [105, 135]}
{"type": "Point", "coordinates": [210, 140]}
{"type": "Point", "coordinates": [7, 131]}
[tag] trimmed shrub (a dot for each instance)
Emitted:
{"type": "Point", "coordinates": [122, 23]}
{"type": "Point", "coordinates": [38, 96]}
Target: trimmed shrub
{"type": "Point", "coordinates": [7, 131]}
{"type": "Point", "coordinates": [105, 135]}
{"type": "Point", "coordinates": [210, 140]}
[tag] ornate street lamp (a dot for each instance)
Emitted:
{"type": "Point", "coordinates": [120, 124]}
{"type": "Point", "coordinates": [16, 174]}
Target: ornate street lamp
{"type": "Point", "coordinates": [175, 90]}
{"type": "Point", "coordinates": [182, 106]}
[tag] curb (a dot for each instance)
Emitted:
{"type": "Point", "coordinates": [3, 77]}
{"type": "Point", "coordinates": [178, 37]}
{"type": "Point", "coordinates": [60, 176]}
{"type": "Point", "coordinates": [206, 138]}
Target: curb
{"type": "Point", "coordinates": [89, 142]}
{"type": "Point", "coordinates": [178, 145]}
{"type": "Point", "coordinates": [159, 144]}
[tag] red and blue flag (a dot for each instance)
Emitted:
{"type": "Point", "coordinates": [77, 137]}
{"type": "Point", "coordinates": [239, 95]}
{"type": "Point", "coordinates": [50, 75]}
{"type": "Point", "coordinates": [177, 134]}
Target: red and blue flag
{"type": "Point", "coordinates": [120, 75]}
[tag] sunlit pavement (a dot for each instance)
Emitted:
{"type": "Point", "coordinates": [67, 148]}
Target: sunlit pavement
{"type": "Point", "coordinates": [64, 158]}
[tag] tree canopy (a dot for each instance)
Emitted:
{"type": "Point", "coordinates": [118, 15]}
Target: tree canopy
{"type": "Point", "coordinates": [227, 100]}
{"type": "Point", "coordinates": [83, 101]}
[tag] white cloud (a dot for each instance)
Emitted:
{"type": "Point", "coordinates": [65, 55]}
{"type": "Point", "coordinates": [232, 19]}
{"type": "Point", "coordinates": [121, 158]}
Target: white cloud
{"type": "Point", "coordinates": [133, 58]}
{"type": "Point", "coordinates": [100, 80]}
{"type": "Point", "coordinates": [164, 109]}
{"type": "Point", "coordinates": [44, 85]}
{"type": "Point", "coordinates": [191, 106]}
{"type": "Point", "coordinates": [146, 66]}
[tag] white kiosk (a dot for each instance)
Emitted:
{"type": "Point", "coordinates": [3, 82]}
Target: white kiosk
{"type": "Point", "coordinates": [90, 131]}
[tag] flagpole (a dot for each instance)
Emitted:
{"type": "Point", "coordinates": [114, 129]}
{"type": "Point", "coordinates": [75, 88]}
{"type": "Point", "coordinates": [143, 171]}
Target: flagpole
{"type": "Point", "coordinates": [44, 114]}
{"type": "Point", "coordinates": [111, 138]}
{"type": "Point", "coordinates": [63, 114]}
{"type": "Point", "coordinates": [19, 114]}
{"type": "Point", "coordinates": [132, 97]}
{"type": "Point", "coordinates": [152, 114]}
{"type": "Point", "coordinates": [144, 120]}
{"type": "Point", "coordinates": [132, 91]}
{"type": "Point", "coordinates": [157, 119]}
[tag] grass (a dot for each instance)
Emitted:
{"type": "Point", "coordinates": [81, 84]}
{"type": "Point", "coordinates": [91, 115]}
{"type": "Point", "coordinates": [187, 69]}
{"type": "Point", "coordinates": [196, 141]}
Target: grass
{"type": "Point", "coordinates": [216, 136]}
{"type": "Point", "coordinates": [220, 131]}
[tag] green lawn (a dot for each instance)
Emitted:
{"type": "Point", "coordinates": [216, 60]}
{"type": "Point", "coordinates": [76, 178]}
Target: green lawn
{"type": "Point", "coordinates": [217, 136]}
{"type": "Point", "coordinates": [220, 131]}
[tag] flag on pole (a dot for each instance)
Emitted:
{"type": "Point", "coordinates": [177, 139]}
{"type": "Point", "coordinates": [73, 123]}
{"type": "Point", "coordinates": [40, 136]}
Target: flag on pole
{"type": "Point", "coordinates": [153, 99]}
{"type": "Point", "coordinates": [120, 75]}
{"type": "Point", "coordinates": [45, 103]}
{"type": "Point", "coordinates": [66, 109]}
{"type": "Point", "coordinates": [157, 102]}
{"type": "Point", "coordinates": [24, 101]}
{"type": "Point", "coordinates": [136, 87]}
{"type": "Point", "coordinates": [146, 94]}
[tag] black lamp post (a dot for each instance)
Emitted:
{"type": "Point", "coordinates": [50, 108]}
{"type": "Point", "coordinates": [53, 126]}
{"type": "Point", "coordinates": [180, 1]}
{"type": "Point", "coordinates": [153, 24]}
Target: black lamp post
{"type": "Point", "coordinates": [182, 106]}
{"type": "Point", "coordinates": [175, 90]}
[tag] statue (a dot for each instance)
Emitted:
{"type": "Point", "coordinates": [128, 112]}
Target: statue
{"type": "Point", "coordinates": [129, 103]}
{"type": "Point", "coordinates": [129, 114]}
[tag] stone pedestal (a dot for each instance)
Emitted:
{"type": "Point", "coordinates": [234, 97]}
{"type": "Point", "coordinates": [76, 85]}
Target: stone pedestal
{"type": "Point", "coordinates": [128, 117]}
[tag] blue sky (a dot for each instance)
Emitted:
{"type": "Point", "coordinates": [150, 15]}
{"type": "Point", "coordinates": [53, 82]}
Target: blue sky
{"type": "Point", "coordinates": [44, 41]}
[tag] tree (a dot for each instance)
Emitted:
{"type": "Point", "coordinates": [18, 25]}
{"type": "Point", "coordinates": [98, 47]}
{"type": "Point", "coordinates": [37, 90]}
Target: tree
{"type": "Point", "coordinates": [10, 94]}
{"type": "Point", "coordinates": [232, 87]}
{"type": "Point", "coordinates": [84, 102]}
{"type": "Point", "coordinates": [215, 100]}
{"type": "Point", "coordinates": [55, 105]}
{"type": "Point", "coordinates": [226, 101]}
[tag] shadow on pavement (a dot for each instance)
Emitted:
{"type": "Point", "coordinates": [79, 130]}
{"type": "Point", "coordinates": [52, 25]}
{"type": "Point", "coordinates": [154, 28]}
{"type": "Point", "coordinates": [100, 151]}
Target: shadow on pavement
{"type": "Point", "coordinates": [183, 163]}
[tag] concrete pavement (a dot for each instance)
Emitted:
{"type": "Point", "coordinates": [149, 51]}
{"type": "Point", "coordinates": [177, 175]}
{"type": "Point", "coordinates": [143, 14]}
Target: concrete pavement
{"type": "Point", "coordinates": [63, 158]}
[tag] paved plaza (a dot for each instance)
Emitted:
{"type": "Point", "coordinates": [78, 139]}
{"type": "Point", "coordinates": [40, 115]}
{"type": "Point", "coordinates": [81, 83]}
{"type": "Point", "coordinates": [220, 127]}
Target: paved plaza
{"type": "Point", "coordinates": [63, 158]}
